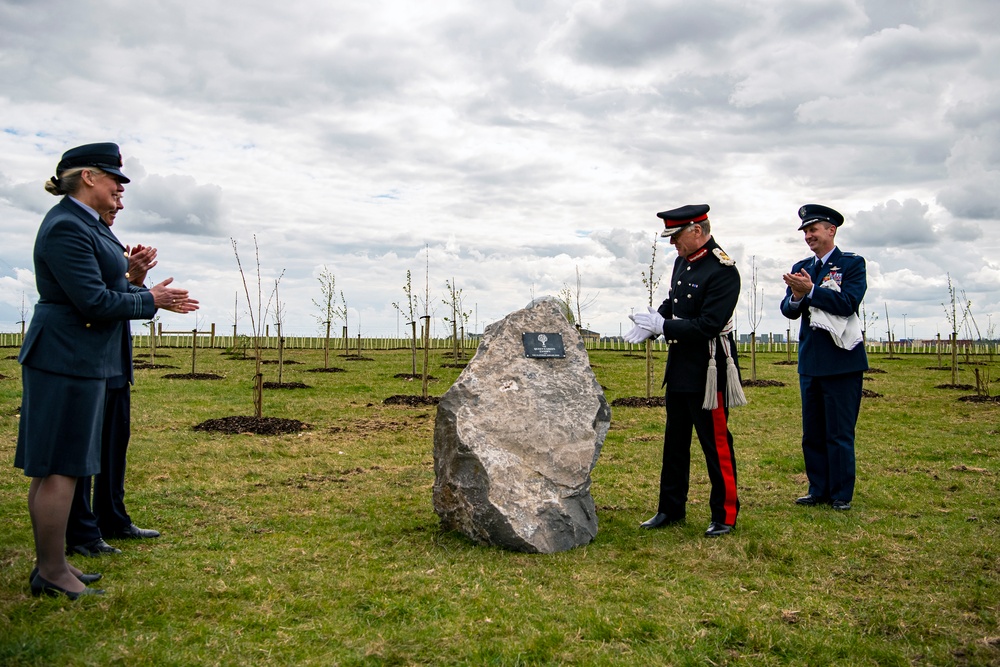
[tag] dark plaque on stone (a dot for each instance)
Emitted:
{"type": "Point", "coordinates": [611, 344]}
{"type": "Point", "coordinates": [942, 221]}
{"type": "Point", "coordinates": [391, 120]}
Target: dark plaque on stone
{"type": "Point", "coordinates": [543, 345]}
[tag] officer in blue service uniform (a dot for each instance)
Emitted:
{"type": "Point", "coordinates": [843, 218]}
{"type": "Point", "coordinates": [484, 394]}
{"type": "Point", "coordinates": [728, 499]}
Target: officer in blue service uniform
{"type": "Point", "coordinates": [827, 287]}
{"type": "Point", "coordinates": [702, 378]}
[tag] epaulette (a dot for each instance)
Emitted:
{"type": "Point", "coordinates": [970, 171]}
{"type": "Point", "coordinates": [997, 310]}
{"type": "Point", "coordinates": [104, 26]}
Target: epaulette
{"type": "Point", "coordinates": [724, 259]}
{"type": "Point", "coordinates": [849, 254]}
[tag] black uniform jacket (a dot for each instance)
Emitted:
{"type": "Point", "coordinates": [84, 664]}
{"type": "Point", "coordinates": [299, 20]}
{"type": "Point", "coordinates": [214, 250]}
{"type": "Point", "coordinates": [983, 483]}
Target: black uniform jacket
{"type": "Point", "coordinates": [79, 325]}
{"type": "Point", "coordinates": [704, 289]}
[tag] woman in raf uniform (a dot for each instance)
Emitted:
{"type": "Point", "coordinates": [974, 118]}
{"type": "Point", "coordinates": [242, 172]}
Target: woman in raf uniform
{"type": "Point", "coordinates": [73, 344]}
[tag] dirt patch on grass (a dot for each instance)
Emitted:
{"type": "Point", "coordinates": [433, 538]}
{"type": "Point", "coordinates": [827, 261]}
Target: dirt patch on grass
{"type": "Point", "coordinates": [762, 383]}
{"type": "Point", "coordinates": [373, 426]}
{"type": "Point", "coordinates": [330, 369]}
{"type": "Point", "coordinates": [639, 402]}
{"type": "Point", "coordinates": [412, 401]}
{"type": "Point", "coordinates": [286, 385]}
{"type": "Point", "coordinates": [786, 363]}
{"type": "Point", "coordinates": [963, 387]}
{"type": "Point", "coordinates": [875, 371]}
{"type": "Point", "coordinates": [192, 376]}
{"type": "Point", "coordinates": [145, 365]}
{"type": "Point", "coordinates": [975, 398]}
{"type": "Point", "coordinates": [457, 365]}
{"type": "Point", "coordinates": [868, 393]}
{"type": "Point", "coordinates": [411, 376]}
{"type": "Point", "coordinates": [252, 425]}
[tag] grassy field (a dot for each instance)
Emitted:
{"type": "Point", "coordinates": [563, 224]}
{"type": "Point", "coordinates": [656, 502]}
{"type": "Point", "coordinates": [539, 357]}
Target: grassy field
{"type": "Point", "coordinates": [322, 547]}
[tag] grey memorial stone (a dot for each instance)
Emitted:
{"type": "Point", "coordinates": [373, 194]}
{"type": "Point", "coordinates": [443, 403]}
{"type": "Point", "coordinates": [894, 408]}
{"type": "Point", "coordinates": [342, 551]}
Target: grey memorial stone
{"type": "Point", "coordinates": [516, 439]}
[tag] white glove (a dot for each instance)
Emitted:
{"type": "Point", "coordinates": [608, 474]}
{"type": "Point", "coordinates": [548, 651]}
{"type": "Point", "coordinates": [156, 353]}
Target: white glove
{"type": "Point", "coordinates": [651, 322]}
{"type": "Point", "coordinates": [636, 334]}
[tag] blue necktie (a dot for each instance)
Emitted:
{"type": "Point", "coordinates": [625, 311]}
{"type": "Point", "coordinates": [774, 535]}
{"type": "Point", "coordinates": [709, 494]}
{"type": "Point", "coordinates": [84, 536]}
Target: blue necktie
{"type": "Point", "coordinates": [817, 268]}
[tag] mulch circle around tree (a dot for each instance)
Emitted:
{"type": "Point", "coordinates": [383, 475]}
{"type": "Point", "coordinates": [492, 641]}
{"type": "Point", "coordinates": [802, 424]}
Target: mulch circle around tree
{"type": "Point", "coordinates": [940, 368]}
{"type": "Point", "coordinates": [639, 402]}
{"type": "Point", "coordinates": [412, 376]}
{"type": "Point", "coordinates": [975, 398]}
{"type": "Point", "coordinates": [286, 385]}
{"type": "Point", "coordinates": [413, 401]}
{"type": "Point", "coordinates": [963, 387]}
{"type": "Point", "coordinates": [192, 376]}
{"type": "Point", "coordinates": [286, 362]}
{"type": "Point", "coordinates": [762, 383]}
{"type": "Point", "coordinates": [786, 363]}
{"type": "Point", "coordinates": [11, 356]}
{"type": "Point", "coordinates": [145, 365]}
{"type": "Point", "coordinates": [454, 365]}
{"type": "Point", "coordinates": [253, 425]}
{"type": "Point", "coordinates": [358, 359]}
{"type": "Point", "coordinates": [329, 369]}
{"type": "Point", "coordinates": [868, 393]}
{"type": "Point", "coordinates": [146, 356]}
{"type": "Point", "coordinates": [875, 371]}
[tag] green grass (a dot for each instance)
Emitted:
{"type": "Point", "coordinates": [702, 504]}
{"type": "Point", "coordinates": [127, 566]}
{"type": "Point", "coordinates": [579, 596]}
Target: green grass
{"type": "Point", "coordinates": [322, 547]}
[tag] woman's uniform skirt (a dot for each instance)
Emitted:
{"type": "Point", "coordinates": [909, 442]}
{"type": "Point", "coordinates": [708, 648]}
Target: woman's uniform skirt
{"type": "Point", "coordinates": [60, 427]}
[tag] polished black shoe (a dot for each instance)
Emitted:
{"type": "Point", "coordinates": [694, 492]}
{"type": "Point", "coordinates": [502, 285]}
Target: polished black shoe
{"type": "Point", "coordinates": [83, 576]}
{"type": "Point", "coordinates": [716, 529]}
{"type": "Point", "coordinates": [92, 549]}
{"type": "Point", "coordinates": [40, 586]}
{"type": "Point", "coordinates": [841, 505]}
{"type": "Point", "coordinates": [660, 521]}
{"type": "Point", "coordinates": [133, 532]}
{"type": "Point", "coordinates": [811, 500]}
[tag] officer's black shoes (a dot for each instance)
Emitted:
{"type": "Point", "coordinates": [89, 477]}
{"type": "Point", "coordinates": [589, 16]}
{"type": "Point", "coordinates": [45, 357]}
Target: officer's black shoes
{"type": "Point", "coordinates": [92, 549]}
{"type": "Point", "coordinates": [841, 505]}
{"type": "Point", "coordinates": [133, 532]}
{"type": "Point", "coordinates": [811, 500]}
{"type": "Point", "coordinates": [716, 529]}
{"type": "Point", "coordinates": [660, 521]}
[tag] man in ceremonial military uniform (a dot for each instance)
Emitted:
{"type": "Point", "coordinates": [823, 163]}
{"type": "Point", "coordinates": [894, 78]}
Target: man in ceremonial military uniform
{"type": "Point", "coordinates": [825, 291]}
{"type": "Point", "coordinates": [702, 378]}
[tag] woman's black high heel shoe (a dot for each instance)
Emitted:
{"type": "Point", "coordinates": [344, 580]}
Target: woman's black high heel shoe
{"type": "Point", "coordinates": [39, 586]}
{"type": "Point", "coordinates": [83, 577]}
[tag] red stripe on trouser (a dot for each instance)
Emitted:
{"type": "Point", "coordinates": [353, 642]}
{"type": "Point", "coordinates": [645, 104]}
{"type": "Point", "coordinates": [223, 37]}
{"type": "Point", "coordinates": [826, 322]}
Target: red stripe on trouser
{"type": "Point", "coordinates": [721, 431]}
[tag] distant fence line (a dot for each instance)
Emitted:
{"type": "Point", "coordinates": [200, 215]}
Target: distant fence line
{"type": "Point", "coordinates": [208, 340]}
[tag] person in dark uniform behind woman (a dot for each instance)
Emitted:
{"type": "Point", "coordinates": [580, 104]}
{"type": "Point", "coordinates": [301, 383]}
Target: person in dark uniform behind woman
{"type": "Point", "coordinates": [825, 291]}
{"type": "Point", "coordinates": [702, 377]}
{"type": "Point", "coordinates": [88, 523]}
{"type": "Point", "coordinates": [72, 346]}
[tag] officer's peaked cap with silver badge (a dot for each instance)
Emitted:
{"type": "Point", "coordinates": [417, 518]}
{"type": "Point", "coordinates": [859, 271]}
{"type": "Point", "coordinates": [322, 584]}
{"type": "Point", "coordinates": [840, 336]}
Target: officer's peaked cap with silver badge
{"type": "Point", "coordinates": [810, 213]}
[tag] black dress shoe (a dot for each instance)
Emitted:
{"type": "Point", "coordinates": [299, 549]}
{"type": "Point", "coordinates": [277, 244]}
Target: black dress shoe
{"type": "Point", "coordinates": [841, 505]}
{"type": "Point", "coordinates": [39, 586]}
{"type": "Point", "coordinates": [83, 577]}
{"type": "Point", "coordinates": [659, 521]}
{"type": "Point", "coordinates": [92, 549]}
{"type": "Point", "coordinates": [716, 529]}
{"type": "Point", "coordinates": [811, 500]}
{"type": "Point", "coordinates": [133, 532]}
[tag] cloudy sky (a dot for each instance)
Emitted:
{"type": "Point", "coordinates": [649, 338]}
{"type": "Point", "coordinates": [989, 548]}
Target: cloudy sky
{"type": "Point", "coordinates": [511, 145]}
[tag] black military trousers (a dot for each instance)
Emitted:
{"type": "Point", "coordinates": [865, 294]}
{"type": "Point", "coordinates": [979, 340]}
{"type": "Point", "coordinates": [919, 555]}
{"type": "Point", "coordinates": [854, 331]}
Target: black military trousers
{"type": "Point", "coordinates": [684, 413]}
{"type": "Point", "coordinates": [107, 515]}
